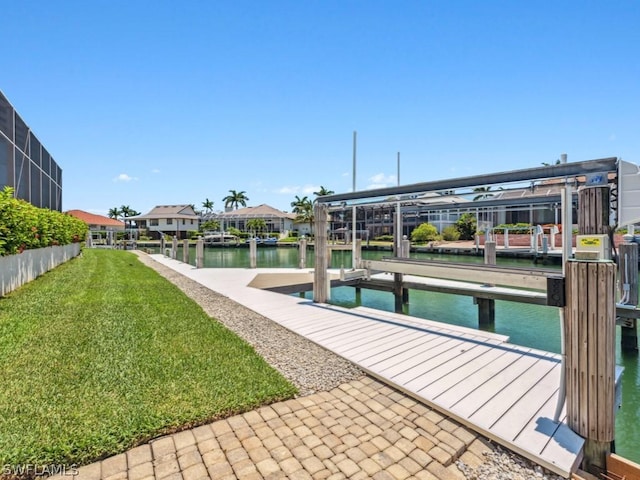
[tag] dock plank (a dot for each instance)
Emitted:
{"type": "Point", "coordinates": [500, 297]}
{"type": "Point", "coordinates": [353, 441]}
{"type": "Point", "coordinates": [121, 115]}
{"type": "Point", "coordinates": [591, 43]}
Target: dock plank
{"type": "Point", "coordinates": [503, 391]}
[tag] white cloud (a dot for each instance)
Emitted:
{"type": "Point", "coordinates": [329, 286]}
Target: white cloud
{"type": "Point", "coordinates": [299, 190]}
{"type": "Point", "coordinates": [288, 190]}
{"type": "Point", "coordinates": [155, 170]}
{"type": "Point", "coordinates": [309, 189]}
{"type": "Point", "coordinates": [381, 180]}
{"type": "Point", "coordinates": [123, 177]}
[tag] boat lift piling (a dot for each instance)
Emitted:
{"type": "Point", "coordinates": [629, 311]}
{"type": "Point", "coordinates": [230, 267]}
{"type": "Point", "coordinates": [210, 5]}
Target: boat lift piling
{"type": "Point", "coordinates": [628, 275]}
{"type": "Point", "coordinates": [487, 306]}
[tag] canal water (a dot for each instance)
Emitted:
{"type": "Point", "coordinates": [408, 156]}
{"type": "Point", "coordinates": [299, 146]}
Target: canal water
{"type": "Point", "coordinates": [529, 325]}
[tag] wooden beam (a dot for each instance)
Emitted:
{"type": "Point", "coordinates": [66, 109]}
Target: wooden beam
{"type": "Point", "coordinates": [512, 277]}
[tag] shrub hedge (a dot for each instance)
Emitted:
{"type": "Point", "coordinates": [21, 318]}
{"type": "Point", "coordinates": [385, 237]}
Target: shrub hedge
{"type": "Point", "coordinates": [23, 226]}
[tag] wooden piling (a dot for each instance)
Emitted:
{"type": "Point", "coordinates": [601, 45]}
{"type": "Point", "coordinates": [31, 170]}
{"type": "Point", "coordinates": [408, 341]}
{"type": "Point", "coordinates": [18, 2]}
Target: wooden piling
{"type": "Point", "coordinates": [358, 254]}
{"type": "Point", "coordinates": [321, 291]}
{"type": "Point", "coordinates": [487, 306]}
{"type": "Point", "coordinates": [401, 294]}
{"type": "Point", "coordinates": [200, 253]}
{"type": "Point", "coordinates": [174, 247]}
{"type": "Point", "coordinates": [185, 250]}
{"type": "Point", "coordinates": [302, 253]}
{"type": "Point", "coordinates": [628, 282]}
{"type": "Point", "coordinates": [589, 332]}
{"type": "Point", "coordinates": [253, 253]}
{"type": "Point", "coordinates": [593, 210]}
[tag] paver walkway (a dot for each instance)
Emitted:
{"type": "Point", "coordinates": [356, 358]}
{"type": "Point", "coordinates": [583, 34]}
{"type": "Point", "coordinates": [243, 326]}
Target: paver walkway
{"type": "Point", "coordinates": [359, 430]}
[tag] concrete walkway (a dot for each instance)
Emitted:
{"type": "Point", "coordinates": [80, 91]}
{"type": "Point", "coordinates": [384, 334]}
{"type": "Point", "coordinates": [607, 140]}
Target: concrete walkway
{"type": "Point", "coordinates": [360, 430]}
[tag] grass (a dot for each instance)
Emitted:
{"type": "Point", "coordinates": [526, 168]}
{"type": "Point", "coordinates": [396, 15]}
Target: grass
{"type": "Point", "coordinates": [103, 353]}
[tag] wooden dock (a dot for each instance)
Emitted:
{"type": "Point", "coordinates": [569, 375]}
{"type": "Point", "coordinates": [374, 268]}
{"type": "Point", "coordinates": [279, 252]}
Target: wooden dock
{"type": "Point", "coordinates": [503, 391]}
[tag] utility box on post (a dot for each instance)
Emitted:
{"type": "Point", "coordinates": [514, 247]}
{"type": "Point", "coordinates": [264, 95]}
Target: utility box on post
{"type": "Point", "coordinates": [592, 247]}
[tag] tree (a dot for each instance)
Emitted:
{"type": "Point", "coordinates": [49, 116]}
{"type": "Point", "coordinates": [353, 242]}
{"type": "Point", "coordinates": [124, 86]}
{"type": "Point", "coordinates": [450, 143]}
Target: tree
{"type": "Point", "coordinates": [115, 213]}
{"type": "Point", "coordinates": [467, 225]}
{"type": "Point", "coordinates": [425, 232]}
{"type": "Point", "coordinates": [299, 205]}
{"type": "Point", "coordinates": [483, 193]}
{"type": "Point", "coordinates": [207, 205]}
{"type": "Point", "coordinates": [303, 208]}
{"type": "Point", "coordinates": [256, 225]}
{"type": "Point", "coordinates": [547, 164]}
{"type": "Point", "coordinates": [323, 191]}
{"type": "Point", "coordinates": [210, 225]}
{"type": "Point", "coordinates": [234, 199]}
{"type": "Point", "coordinates": [127, 211]}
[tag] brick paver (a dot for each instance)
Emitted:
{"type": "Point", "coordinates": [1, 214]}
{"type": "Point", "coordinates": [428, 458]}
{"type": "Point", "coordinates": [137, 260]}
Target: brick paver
{"type": "Point", "coordinates": [360, 430]}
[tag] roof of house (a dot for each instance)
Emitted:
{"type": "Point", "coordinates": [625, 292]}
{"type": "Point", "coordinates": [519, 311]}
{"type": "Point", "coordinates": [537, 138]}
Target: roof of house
{"type": "Point", "coordinates": [93, 219]}
{"type": "Point", "coordinates": [261, 211]}
{"type": "Point", "coordinates": [168, 211]}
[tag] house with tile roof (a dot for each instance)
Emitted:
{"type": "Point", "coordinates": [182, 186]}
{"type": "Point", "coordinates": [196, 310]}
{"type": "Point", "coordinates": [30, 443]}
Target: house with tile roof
{"type": "Point", "coordinates": [170, 220]}
{"type": "Point", "coordinates": [98, 222]}
{"type": "Point", "coordinates": [276, 221]}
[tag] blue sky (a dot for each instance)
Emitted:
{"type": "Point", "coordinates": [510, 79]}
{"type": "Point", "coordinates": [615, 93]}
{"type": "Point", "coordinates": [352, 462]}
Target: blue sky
{"type": "Point", "coordinates": [165, 102]}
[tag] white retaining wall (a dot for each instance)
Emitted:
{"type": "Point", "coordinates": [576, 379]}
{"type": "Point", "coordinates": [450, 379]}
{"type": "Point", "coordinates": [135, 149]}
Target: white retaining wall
{"type": "Point", "coordinates": [16, 270]}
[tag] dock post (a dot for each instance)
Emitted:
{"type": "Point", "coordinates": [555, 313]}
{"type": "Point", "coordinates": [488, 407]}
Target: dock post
{"type": "Point", "coordinates": [321, 290]}
{"type": "Point", "coordinates": [200, 253]}
{"type": "Point", "coordinates": [593, 214]}
{"type": "Point", "coordinates": [162, 243]}
{"type": "Point", "coordinates": [590, 333]}
{"type": "Point", "coordinates": [174, 248]}
{"type": "Point", "coordinates": [253, 253]}
{"type": "Point", "coordinates": [400, 294]}
{"type": "Point", "coordinates": [358, 254]}
{"type": "Point", "coordinates": [406, 252]}
{"type": "Point", "coordinates": [628, 275]}
{"type": "Point", "coordinates": [302, 253]}
{"type": "Point", "coordinates": [487, 306]}
{"type": "Point", "coordinates": [185, 250]}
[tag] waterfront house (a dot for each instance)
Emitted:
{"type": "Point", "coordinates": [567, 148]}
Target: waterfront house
{"type": "Point", "coordinates": [277, 221]}
{"type": "Point", "coordinates": [170, 220]}
{"type": "Point", "coordinates": [98, 223]}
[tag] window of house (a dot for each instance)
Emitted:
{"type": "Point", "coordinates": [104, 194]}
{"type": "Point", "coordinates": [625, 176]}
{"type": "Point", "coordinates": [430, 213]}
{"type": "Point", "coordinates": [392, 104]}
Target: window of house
{"type": "Point", "coordinates": [183, 221]}
{"type": "Point", "coordinates": [153, 223]}
{"type": "Point", "coordinates": [169, 221]}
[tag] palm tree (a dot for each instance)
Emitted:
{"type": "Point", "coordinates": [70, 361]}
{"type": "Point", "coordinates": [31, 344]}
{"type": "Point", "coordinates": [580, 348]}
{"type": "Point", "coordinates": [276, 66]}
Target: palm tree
{"type": "Point", "coordinates": [256, 225]}
{"type": "Point", "coordinates": [547, 164]}
{"type": "Point", "coordinates": [115, 213]}
{"type": "Point", "coordinates": [207, 205]}
{"type": "Point", "coordinates": [300, 204]}
{"type": "Point", "coordinates": [306, 216]}
{"type": "Point", "coordinates": [234, 199]}
{"type": "Point", "coordinates": [303, 208]}
{"type": "Point", "coordinates": [483, 193]}
{"type": "Point", "coordinates": [323, 191]}
{"type": "Point", "coordinates": [127, 211]}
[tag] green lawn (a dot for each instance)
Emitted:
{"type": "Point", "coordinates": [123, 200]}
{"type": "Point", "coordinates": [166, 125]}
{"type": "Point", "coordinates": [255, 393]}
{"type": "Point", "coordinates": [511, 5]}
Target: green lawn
{"type": "Point", "coordinates": [103, 353]}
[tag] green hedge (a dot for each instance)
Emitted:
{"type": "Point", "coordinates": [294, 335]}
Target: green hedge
{"type": "Point", "coordinates": [24, 227]}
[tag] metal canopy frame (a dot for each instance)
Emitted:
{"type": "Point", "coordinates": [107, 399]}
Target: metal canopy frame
{"type": "Point", "coordinates": [528, 174]}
